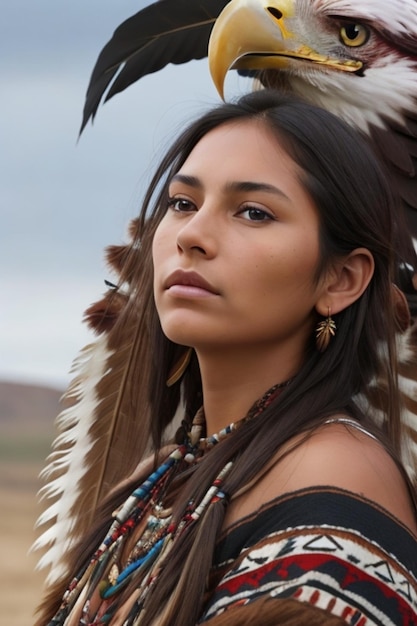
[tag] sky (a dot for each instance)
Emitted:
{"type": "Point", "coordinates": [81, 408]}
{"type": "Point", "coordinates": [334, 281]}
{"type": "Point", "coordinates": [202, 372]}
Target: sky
{"type": "Point", "coordinates": [62, 201]}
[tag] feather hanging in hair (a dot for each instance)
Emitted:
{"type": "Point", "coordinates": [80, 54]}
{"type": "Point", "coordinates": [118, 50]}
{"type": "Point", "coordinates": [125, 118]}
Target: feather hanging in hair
{"type": "Point", "coordinates": [66, 471]}
{"type": "Point", "coordinates": [98, 443]}
{"type": "Point", "coordinates": [375, 405]}
{"type": "Point", "coordinates": [407, 379]}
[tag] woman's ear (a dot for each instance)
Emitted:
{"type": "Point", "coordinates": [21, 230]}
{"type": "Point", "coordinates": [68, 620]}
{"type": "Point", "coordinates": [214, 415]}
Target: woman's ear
{"type": "Point", "coordinates": [346, 282]}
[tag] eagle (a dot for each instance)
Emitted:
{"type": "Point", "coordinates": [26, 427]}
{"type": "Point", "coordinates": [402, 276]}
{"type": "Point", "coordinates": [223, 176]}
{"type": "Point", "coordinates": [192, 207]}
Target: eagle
{"type": "Point", "coordinates": [356, 58]}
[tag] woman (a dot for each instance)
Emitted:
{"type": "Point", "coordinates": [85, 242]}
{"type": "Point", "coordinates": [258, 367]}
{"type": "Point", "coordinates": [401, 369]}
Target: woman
{"type": "Point", "coordinates": [272, 240]}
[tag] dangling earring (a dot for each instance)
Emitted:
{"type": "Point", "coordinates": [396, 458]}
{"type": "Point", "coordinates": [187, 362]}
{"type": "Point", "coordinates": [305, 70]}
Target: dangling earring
{"type": "Point", "coordinates": [325, 330]}
{"type": "Point", "coordinates": [179, 367]}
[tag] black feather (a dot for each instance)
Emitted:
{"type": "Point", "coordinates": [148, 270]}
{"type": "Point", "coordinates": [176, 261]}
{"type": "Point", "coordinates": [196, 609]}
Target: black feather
{"type": "Point", "coordinates": [168, 31]}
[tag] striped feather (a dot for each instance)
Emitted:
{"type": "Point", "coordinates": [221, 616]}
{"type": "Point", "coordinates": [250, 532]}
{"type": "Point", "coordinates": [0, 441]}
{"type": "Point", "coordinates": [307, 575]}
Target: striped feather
{"type": "Point", "coordinates": [408, 385]}
{"type": "Point", "coordinates": [67, 468]}
{"type": "Point", "coordinates": [375, 404]}
{"type": "Point", "coordinates": [98, 444]}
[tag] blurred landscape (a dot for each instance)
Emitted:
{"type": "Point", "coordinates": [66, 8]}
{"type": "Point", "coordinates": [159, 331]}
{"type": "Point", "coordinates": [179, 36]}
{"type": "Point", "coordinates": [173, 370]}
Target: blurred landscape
{"type": "Point", "coordinates": [27, 414]}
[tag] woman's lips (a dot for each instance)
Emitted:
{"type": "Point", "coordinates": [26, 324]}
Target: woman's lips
{"type": "Point", "coordinates": [183, 283]}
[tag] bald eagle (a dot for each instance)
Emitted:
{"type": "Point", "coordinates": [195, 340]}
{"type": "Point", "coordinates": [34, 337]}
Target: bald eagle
{"type": "Point", "coordinates": [356, 58]}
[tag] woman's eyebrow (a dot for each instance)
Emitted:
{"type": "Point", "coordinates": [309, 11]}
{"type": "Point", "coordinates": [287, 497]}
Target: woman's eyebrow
{"type": "Point", "coordinates": [248, 185]}
{"type": "Point", "coordinates": [191, 181]}
{"type": "Point", "coordinates": [244, 185]}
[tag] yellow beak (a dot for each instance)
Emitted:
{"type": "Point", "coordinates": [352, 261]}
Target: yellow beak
{"type": "Point", "coordinates": [255, 35]}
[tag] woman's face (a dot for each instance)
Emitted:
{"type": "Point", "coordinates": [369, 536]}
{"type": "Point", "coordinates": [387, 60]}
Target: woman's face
{"type": "Point", "coordinates": [235, 256]}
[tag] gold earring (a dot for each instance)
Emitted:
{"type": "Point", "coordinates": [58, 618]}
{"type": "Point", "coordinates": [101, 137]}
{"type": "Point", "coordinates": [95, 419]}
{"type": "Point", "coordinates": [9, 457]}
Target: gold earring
{"type": "Point", "coordinates": [179, 367]}
{"type": "Point", "coordinates": [325, 330]}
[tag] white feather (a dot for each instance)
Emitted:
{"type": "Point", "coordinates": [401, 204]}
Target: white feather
{"type": "Point", "coordinates": [67, 467]}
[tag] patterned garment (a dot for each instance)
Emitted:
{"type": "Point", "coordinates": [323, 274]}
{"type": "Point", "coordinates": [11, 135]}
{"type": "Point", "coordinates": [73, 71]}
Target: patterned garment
{"type": "Point", "coordinates": [323, 546]}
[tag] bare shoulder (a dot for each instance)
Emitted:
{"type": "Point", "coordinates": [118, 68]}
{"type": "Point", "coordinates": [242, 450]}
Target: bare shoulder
{"type": "Point", "coordinates": [340, 455]}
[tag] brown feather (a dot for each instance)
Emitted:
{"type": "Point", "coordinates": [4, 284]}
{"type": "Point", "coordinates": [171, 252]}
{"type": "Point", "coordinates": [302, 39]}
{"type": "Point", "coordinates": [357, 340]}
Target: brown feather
{"type": "Point", "coordinates": [117, 257]}
{"type": "Point", "coordinates": [103, 314]}
{"type": "Point", "coordinates": [98, 442]}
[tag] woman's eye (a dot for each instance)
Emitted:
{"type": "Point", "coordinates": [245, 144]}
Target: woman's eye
{"type": "Point", "coordinates": [180, 204]}
{"type": "Point", "coordinates": [254, 214]}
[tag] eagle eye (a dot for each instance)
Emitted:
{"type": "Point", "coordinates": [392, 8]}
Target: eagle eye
{"type": "Point", "coordinates": [354, 35]}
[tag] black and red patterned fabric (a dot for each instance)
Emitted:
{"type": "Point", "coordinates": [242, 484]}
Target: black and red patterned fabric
{"type": "Point", "coordinates": [323, 546]}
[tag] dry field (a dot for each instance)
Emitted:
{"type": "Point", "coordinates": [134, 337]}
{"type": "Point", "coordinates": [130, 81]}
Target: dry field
{"type": "Point", "coordinates": [20, 585]}
{"type": "Point", "coordinates": [26, 430]}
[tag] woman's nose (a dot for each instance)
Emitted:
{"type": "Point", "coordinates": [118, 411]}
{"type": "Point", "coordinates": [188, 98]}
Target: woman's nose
{"type": "Point", "coordinates": [198, 235]}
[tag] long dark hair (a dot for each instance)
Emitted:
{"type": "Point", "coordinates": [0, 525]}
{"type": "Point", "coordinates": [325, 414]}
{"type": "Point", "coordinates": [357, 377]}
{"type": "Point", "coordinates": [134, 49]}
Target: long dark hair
{"type": "Point", "coordinates": [356, 209]}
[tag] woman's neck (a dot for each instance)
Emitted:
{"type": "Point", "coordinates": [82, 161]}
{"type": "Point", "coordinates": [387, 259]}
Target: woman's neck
{"type": "Point", "coordinates": [233, 381]}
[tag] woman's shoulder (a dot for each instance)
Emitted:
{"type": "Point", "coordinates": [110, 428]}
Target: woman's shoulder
{"type": "Point", "coordinates": [339, 454]}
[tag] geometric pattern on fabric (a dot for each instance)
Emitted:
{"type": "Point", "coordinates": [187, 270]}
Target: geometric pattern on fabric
{"type": "Point", "coordinates": [334, 568]}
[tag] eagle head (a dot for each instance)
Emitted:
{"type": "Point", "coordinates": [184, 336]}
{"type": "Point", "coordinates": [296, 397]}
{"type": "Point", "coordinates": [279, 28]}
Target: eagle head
{"type": "Point", "coordinates": [356, 58]}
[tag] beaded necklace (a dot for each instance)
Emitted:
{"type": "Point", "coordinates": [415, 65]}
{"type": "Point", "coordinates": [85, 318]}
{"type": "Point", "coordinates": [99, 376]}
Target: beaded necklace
{"type": "Point", "coordinates": [90, 597]}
